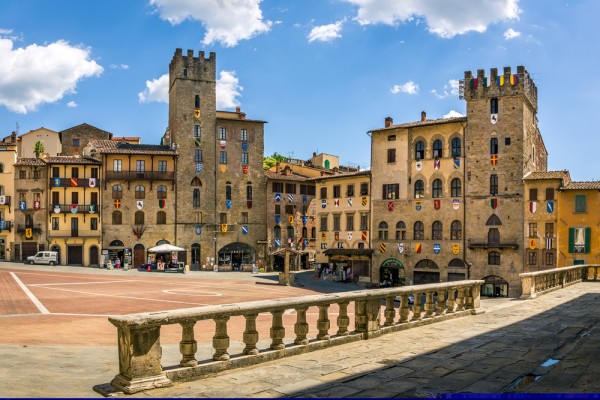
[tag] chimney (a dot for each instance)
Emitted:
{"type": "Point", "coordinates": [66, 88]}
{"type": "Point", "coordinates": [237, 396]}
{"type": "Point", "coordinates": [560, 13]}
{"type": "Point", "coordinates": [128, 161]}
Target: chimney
{"type": "Point", "coordinates": [237, 109]}
{"type": "Point", "coordinates": [423, 115]}
{"type": "Point", "coordinates": [388, 122]}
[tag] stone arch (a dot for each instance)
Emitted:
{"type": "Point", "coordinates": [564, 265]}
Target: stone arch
{"type": "Point", "coordinates": [392, 270]}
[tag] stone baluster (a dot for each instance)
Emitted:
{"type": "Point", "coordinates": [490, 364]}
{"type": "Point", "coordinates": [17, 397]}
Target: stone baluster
{"type": "Point", "coordinates": [417, 308]}
{"type": "Point", "coordinates": [390, 312]}
{"type": "Point", "coordinates": [460, 300]}
{"type": "Point", "coordinates": [343, 320]}
{"type": "Point", "coordinates": [188, 345]}
{"type": "Point", "coordinates": [428, 305]}
{"type": "Point", "coordinates": [441, 300]}
{"type": "Point", "coordinates": [404, 310]}
{"type": "Point", "coordinates": [250, 335]}
{"type": "Point", "coordinates": [469, 298]}
{"type": "Point", "coordinates": [301, 327]}
{"type": "Point", "coordinates": [367, 316]}
{"type": "Point", "coordinates": [221, 340]}
{"type": "Point", "coordinates": [277, 330]}
{"type": "Point", "coordinates": [450, 301]}
{"type": "Point", "coordinates": [323, 323]}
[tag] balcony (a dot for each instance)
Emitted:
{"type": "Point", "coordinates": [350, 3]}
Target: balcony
{"type": "Point", "coordinates": [37, 228]}
{"type": "Point", "coordinates": [5, 225]}
{"type": "Point", "coordinates": [68, 209]}
{"type": "Point", "coordinates": [85, 234]}
{"type": "Point", "coordinates": [74, 182]}
{"type": "Point", "coordinates": [491, 245]}
{"type": "Point", "coordinates": [144, 175]}
{"type": "Point", "coordinates": [4, 200]}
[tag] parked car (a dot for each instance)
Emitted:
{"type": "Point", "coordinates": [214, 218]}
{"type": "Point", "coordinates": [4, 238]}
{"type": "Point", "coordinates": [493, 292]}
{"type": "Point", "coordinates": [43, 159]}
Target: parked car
{"type": "Point", "coordinates": [44, 257]}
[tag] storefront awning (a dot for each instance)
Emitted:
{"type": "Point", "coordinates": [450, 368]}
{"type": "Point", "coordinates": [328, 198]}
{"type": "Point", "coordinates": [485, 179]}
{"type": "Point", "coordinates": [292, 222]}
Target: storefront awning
{"type": "Point", "coordinates": [348, 252]}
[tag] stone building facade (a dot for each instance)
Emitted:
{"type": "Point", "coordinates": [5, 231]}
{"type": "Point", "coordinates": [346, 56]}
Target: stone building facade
{"type": "Point", "coordinates": [8, 158]}
{"type": "Point", "coordinates": [76, 138]}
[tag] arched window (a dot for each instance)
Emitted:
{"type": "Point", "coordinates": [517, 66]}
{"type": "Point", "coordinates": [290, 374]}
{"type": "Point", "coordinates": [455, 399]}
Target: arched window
{"type": "Point", "coordinates": [456, 230]}
{"type": "Point", "coordinates": [197, 102]}
{"type": "Point", "coordinates": [29, 220]}
{"type": "Point", "coordinates": [437, 149]}
{"type": "Point", "coordinates": [196, 198]}
{"type": "Point", "coordinates": [436, 231]}
{"type": "Point", "coordinates": [139, 218]}
{"type": "Point", "coordinates": [304, 232]}
{"type": "Point", "coordinates": [456, 187]}
{"type": "Point", "coordinates": [117, 218]}
{"type": "Point", "coordinates": [117, 192]}
{"type": "Point", "coordinates": [419, 150]}
{"type": "Point", "coordinates": [313, 232]}
{"type": "Point", "coordinates": [419, 231]}
{"type": "Point", "coordinates": [161, 192]}
{"type": "Point", "coordinates": [228, 190]}
{"type": "Point", "coordinates": [493, 185]}
{"type": "Point", "coordinates": [196, 182]}
{"type": "Point", "coordinates": [493, 146]}
{"type": "Point", "coordinates": [383, 230]}
{"type": "Point", "coordinates": [456, 147]}
{"type": "Point", "coordinates": [419, 189]}
{"type": "Point", "coordinates": [493, 220]}
{"type": "Point", "coordinates": [140, 192]}
{"type": "Point", "coordinates": [249, 191]}
{"type": "Point", "coordinates": [277, 232]}
{"type": "Point", "coordinates": [161, 218]}
{"type": "Point", "coordinates": [290, 232]}
{"type": "Point", "coordinates": [436, 188]}
{"type": "Point", "coordinates": [400, 230]}
{"type": "Point", "coordinates": [494, 258]}
{"type": "Point", "coordinates": [494, 237]}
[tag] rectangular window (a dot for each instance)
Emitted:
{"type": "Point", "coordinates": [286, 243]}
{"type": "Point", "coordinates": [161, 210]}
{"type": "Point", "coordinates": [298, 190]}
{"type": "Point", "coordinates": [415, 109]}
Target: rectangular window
{"type": "Point", "coordinates": [223, 218]}
{"type": "Point", "coordinates": [549, 258]}
{"type": "Point", "coordinates": [323, 192]}
{"type": "Point", "coordinates": [533, 195]}
{"type": "Point", "coordinates": [290, 188]}
{"type": "Point", "coordinates": [349, 222]}
{"type": "Point", "coordinates": [493, 185]}
{"type": "Point", "coordinates": [580, 203]}
{"type": "Point", "coordinates": [549, 193]}
{"type": "Point", "coordinates": [323, 227]}
{"type": "Point", "coordinates": [304, 189]}
{"type": "Point", "coordinates": [22, 197]}
{"type": "Point", "coordinates": [507, 141]}
{"type": "Point", "coordinates": [391, 191]}
{"type": "Point", "coordinates": [197, 132]}
{"type": "Point", "coordinates": [549, 229]}
{"type": "Point", "coordinates": [244, 135]}
{"type": "Point", "coordinates": [494, 105]}
{"type": "Point", "coordinates": [364, 189]}
{"type": "Point", "coordinates": [336, 222]}
{"type": "Point", "coordinates": [93, 224]}
{"type": "Point", "coordinates": [94, 173]}
{"type": "Point", "coordinates": [337, 191]}
{"type": "Point", "coordinates": [198, 155]}
{"type": "Point", "coordinates": [277, 209]}
{"type": "Point", "coordinates": [244, 218]}
{"type": "Point", "coordinates": [223, 157]}
{"type": "Point", "coordinates": [350, 190]}
{"type": "Point", "coordinates": [55, 172]}
{"type": "Point", "coordinates": [140, 166]}
{"type": "Point", "coordinates": [55, 223]}
{"type": "Point", "coordinates": [74, 198]}
{"type": "Point", "coordinates": [76, 142]}
{"type": "Point", "coordinates": [533, 232]}
{"type": "Point", "coordinates": [290, 209]}
{"type": "Point", "coordinates": [117, 165]}
{"type": "Point", "coordinates": [244, 158]}
{"type": "Point", "coordinates": [391, 138]}
{"type": "Point", "coordinates": [579, 240]}
{"type": "Point", "coordinates": [22, 174]}
{"type": "Point", "coordinates": [364, 222]}
{"type": "Point", "coordinates": [37, 174]}
{"type": "Point", "coordinates": [162, 166]}
{"type": "Point", "coordinates": [222, 134]}
{"type": "Point", "coordinates": [391, 156]}
{"type": "Point", "coordinates": [196, 198]}
{"type": "Point", "coordinates": [532, 257]}
{"type": "Point", "coordinates": [277, 187]}
{"type": "Point", "coordinates": [74, 172]}
{"type": "Point", "coordinates": [55, 198]}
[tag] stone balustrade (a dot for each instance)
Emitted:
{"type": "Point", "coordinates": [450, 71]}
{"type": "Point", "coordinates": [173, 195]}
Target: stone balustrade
{"type": "Point", "coordinates": [140, 351]}
{"type": "Point", "coordinates": [538, 283]}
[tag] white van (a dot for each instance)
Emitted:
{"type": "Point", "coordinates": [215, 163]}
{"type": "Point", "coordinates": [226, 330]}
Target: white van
{"type": "Point", "coordinates": [44, 257]}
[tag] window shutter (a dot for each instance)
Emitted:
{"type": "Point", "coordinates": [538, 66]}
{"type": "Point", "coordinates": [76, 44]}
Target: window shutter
{"type": "Point", "coordinates": [571, 240]}
{"type": "Point", "coordinates": [588, 236]}
{"type": "Point", "coordinates": [383, 192]}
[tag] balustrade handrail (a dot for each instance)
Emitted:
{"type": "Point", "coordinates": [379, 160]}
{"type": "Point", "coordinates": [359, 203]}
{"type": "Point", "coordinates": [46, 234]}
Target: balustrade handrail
{"type": "Point", "coordinates": [540, 282]}
{"type": "Point", "coordinates": [139, 334]}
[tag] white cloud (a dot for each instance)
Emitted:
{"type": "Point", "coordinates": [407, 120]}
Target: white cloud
{"type": "Point", "coordinates": [118, 66]}
{"type": "Point", "coordinates": [446, 18]}
{"type": "Point", "coordinates": [34, 75]}
{"type": "Point", "coordinates": [225, 21]}
{"type": "Point", "coordinates": [5, 31]}
{"type": "Point", "coordinates": [325, 33]}
{"type": "Point", "coordinates": [71, 104]}
{"type": "Point", "coordinates": [451, 88]}
{"type": "Point", "coordinates": [228, 89]}
{"type": "Point", "coordinates": [511, 34]}
{"type": "Point", "coordinates": [453, 114]}
{"type": "Point", "coordinates": [409, 87]}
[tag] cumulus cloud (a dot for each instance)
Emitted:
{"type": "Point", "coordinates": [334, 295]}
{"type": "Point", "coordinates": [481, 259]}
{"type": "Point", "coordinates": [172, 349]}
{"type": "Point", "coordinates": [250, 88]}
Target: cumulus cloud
{"type": "Point", "coordinates": [118, 66]}
{"type": "Point", "coordinates": [225, 21]}
{"type": "Point", "coordinates": [325, 33]}
{"type": "Point", "coordinates": [453, 114]}
{"type": "Point", "coordinates": [446, 18]}
{"type": "Point", "coordinates": [228, 90]}
{"type": "Point", "coordinates": [35, 74]}
{"type": "Point", "coordinates": [71, 104]}
{"type": "Point", "coordinates": [409, 87]}
{"type": "Point", "coordinates": [511, 34]}
{"type": "Point", "coordinates": [451, 88]}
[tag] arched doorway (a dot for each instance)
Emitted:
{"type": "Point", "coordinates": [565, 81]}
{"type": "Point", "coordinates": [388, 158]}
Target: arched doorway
{"type": "Point", "coordinates": [94, 256]}
{"type": "Point", "coordinates": [116, 249]}
{"type": "Point", "coordinates": [196, 260]}
{"type": "Point", "coordinates": [56, 248]}
{"type": "Point", "coordinates": [392, 271]}
{"type": "Point", "coordinates": [139, 255]}
{"type": "Point", "coordinates": [494, 286]}
{"type": "Point", "coordinates": [237, 254]}
{"type": "Point", "coordinates": [456, 270]}
{"type": "Point", "coordinates": [426, 271]}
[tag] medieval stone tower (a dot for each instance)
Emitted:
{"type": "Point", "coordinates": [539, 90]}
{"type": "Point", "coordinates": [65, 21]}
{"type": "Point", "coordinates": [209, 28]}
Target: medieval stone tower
{"type": "Point", "coordinates": [220, 187]}
{"type": "Point", "coordinates": [502, 144]}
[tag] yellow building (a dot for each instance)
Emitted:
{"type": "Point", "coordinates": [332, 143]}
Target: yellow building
{"type": "Point", "coordinates": [579, 223]}
{"type": "Point", "coordinates": [74, 222]}
{"type": "Point", "coordinates": [8, 157]}
{"type": "Point", "coordinates": [342, 210]}
{"type": "Point", "coordinates": [49, 138]}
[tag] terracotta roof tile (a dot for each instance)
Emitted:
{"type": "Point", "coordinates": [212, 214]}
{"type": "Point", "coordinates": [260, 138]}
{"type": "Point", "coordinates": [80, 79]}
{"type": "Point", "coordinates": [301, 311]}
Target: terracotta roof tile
{"type": "Point", "coordinates": [547, 175]}
{"type": "Point", "coordinates": [71, 160]}
{"type": "Point", "coordinates": [584, 185]}
{"type": "Point", "coordinates": [24, 161]}
{"type": "Point", "coordinates": [113, 147]}
{"type": "Point", "coordinates": [423, 123]}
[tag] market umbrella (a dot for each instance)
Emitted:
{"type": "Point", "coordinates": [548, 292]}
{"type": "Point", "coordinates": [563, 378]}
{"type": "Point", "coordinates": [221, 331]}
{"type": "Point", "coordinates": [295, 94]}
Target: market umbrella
{"type": "Point", "coordinates": [164, 248]}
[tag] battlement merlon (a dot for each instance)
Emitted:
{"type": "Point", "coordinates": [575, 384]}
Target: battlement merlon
{"type": "Point", "coordinates": [198, 68]}
{"type": "Point", "coordinates": [506, 84]}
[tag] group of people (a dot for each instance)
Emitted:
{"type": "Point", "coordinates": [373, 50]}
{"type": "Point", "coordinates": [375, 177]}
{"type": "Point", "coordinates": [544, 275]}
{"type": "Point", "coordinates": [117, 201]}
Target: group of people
{"type": "Point", "coordinates": [335, 273]}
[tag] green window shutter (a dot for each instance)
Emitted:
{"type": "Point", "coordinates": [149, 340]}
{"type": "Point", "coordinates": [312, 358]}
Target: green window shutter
{"type": "Point", "coordinates": [588, 237]}
{"type": "Point", "coordinates": [571, 240]}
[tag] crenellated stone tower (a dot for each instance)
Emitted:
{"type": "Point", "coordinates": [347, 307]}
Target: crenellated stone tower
{"type": "Point", "coordinates": [502, 144]}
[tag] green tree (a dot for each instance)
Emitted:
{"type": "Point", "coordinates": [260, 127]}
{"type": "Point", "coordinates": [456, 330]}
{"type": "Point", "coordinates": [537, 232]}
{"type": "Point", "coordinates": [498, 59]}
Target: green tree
{"type": "Point", "coordinates": [38, 149]}
{"type": "Point", "coordinates": [273, 159]}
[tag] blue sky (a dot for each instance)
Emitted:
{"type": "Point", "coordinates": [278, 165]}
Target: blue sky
{"type": "Point", "coordinates": [321, 72]}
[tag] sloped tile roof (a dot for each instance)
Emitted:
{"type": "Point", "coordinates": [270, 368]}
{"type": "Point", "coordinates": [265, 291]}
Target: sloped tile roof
{"type": "Point", "coordinates": [583, 185]}
{"type": "Point", "coordinates": [423, 123]}
{"type": "Point", "coordinates": [114, 147]}
{"type": "Point", "coordinates": [71, 160]}
{"type": "Point", "coordinates": [24, 161]}
{"type": "Point", "coordinates": [547, 175]}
